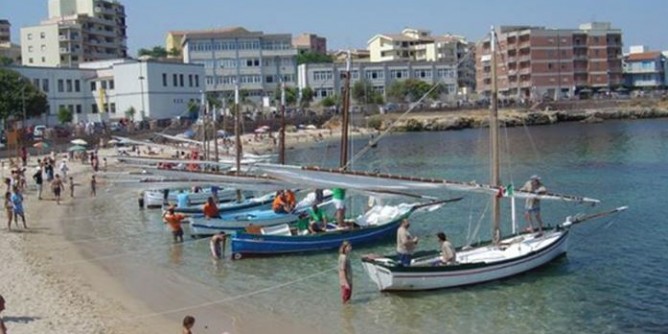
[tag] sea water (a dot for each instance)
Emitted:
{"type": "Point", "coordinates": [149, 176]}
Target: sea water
{"type": "Point", "coordinates": [612, 280]}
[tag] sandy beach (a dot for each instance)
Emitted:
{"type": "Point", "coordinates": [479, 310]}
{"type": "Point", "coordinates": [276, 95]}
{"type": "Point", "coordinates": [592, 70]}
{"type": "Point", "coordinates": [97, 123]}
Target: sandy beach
{"type": "Point", "coordinates": [55, 283]}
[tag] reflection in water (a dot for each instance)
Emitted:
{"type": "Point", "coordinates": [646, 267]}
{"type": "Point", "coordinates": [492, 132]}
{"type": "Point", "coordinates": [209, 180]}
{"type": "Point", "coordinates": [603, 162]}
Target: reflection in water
{"type": "Point", "coordinates": [347, 317]}
{"type": "Point", "coordinates": [176, 254]}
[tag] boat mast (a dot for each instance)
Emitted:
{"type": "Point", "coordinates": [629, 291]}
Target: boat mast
{"type": "Point", "coordinates": [281, 139]}
{"type": "Point", "coordinates": [237, 133]}
{"type": "Point", "coordinates": [494, 141]}
{"type": "Point", "coordinates": [345, 115]}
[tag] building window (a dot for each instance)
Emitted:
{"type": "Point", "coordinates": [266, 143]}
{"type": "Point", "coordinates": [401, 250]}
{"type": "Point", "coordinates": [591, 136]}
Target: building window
{"type": "Point", "coordinates": [269, 79]}
{"type": "Point", "coordinates": [61, 85]}
{"type": "Point", "coordinates": [30, 37]}
{"type": "Point", "coordinates": [30, 60]}
{"type": "Point", "coordinates": [43, 47]}
{"type": "Point", "coordinates": [175, 80]}
{"type": "Point", "coordinates": [45, 85]}
{"type": "Point", "coordinates": [68, 83]}
{"type": "Point", "coordinates": [29, 48]}
{"type": "Point", "coordinates": [77, 86]}
{"type": "Point", "coordinates": [78, 109]}
{"type": "Point", "coordinates": [196, 80]}
{"type": "Point", "coordinates": [422, 73]}
{"type": "Point", "coordinates": [94, 108]}
{"type": "Point", "coordinates": [92, 86]}
{"type": "Point", "coordinates": [111, 84]}
{"type": "Point", "coordinates": [103, 84]}
{"type": "Point", "coordinates": [35, 82]}
{"type": "Point", "coordinates": [43, 59]}
{"type": "Point", "coordinates": [181, 80]}
{"type": "Point", "coordinates": [164, 80]}
{"type": "Point", "coordinates": [549, 66]}
{"type": "Point", "coordinates": [112, 106]}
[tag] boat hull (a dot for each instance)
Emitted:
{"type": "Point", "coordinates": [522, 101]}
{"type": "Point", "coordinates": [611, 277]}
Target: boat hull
{"type": "Point", "coordinates": [203, 227]}
{"type": "Point", "coordinates": [396, 278]}
{"type": "Point", "coordinates": [155, 198]}
{"type": "Point", "coordinates": [232, 206]}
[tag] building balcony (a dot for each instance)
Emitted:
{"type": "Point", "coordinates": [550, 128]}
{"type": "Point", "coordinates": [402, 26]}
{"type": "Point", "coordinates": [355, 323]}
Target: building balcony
{"type": "Point", "coordinates": [524, 71]}
{"type": "Point", "coordinates": [525, 83]}
{"type": "Point", "coordinates": [512, 59]}
{"type": "Point", "coordinates": [105, 10]}
{"type": "Point", "coordinates": [524, 58]}
{"type": "Point", "coordinates": [524, 45]}
{"type": "Point", "coordinates": [65, 51]}
{"type": "Point", "coordinates": [580, 57]}
{"type": "Point", "coordinates": [580, 70]}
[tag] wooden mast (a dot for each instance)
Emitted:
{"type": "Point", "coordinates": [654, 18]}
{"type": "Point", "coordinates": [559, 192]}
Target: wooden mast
{"type": "Point", "coordinates": [494, 142]}
{"type": "Point", "coordinates": [345, 115]}
{"type": "Point", "coordinates": [281, 138]}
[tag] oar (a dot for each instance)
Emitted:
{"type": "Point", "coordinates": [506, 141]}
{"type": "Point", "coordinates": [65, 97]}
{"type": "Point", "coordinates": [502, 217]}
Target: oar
{"type": "Point", "coordinates": [581, 219]}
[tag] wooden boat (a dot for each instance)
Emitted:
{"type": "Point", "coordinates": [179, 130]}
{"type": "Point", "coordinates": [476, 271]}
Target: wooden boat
{"type": "Point", "coordinates": [201, 226]}
{"type": "Point", "coordinates": [255, 203]}
{"type": "Point", "coordinates": [155, 198]}
{"type": "Point", "coordinates": [377, 224]}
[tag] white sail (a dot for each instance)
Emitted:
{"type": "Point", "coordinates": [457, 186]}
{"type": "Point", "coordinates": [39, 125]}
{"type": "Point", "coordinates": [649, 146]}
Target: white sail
{"type": "Point", "coordinates": [366, 181]}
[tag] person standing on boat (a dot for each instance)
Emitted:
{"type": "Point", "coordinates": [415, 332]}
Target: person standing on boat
{"type": "Point", "coordinates": [406, 243]}
{"type": "Point", "coordinates": [318, 219]}
{"type": "Point", "coordinates": [210, 209]}
{"type": "Point", "coordinates": [532, 205]}
{"type": "Point", "coordinates": [338, 198]}
{"type": "Point", "coordinates": [174, 221]}
{"type": "Point", "coordinates": [448, 254]}
{"type": "Point", "coordinates": [345, 272]}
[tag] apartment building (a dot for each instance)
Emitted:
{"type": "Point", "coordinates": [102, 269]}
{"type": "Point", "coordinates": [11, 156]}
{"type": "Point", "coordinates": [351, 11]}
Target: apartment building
{"type": "Point", "coordinates": [537, 62]}
{"type": "Point", "coordinates": [327, 79]}
{"type": "Point", "coordinates": [310, 43]}
{"type": "Point", "coordinates": [76, 31]}
{"type": "Point", "coordinates": [357, 55]}
{"type": "Point", "coordinates": [259, 62]}
{"type": "Point", "coordinates": [7, 48]}
{"type": "Point", "coordinates": [644, 68]}
{"type": "Point", "coordinates": [5, 32]}
{"type": "Point", "coordinates": [419, 45]}
{"type": "Point", "coordinates": [106, 89]}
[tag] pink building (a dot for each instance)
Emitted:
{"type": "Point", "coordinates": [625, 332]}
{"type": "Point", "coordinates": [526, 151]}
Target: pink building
{"type": "Point", "coordinates": [535, 62]}
{"type": "Point", "coordinates": [311, 43]}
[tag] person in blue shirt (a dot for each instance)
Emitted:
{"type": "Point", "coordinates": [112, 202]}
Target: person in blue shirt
{"type": "Point", "coordinates": [17, 205]}
{"type": "Point", "coordinates": [182, 200]}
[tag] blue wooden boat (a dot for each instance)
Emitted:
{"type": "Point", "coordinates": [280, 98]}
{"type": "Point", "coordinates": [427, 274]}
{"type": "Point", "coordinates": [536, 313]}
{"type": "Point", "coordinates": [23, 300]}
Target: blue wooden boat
{"type": "Point", "coordinates": [377, 224]}
{"type": "Point", "coordinates": [201, 226]}
{"type": "Point", "coordinates": [232, 205]}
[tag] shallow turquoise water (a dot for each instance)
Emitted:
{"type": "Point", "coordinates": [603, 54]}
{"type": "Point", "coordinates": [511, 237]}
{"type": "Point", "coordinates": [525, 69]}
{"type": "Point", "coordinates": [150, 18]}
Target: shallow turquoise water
{"type": "Point", "coordinates": [612, 280]}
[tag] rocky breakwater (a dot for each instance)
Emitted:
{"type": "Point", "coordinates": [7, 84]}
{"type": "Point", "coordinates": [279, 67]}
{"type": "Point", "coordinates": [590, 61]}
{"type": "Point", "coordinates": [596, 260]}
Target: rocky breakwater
{"type": "Point", "coordinates": [443, 121]}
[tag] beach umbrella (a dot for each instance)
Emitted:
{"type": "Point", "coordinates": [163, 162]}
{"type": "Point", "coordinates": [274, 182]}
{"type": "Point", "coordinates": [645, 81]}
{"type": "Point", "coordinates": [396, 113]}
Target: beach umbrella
{"type": "Point", "coordinates": [40, 144]}
{"type": "Point", "coordinates": [76, 148]}
{"type": "Point", "coordinates": [79, 142]}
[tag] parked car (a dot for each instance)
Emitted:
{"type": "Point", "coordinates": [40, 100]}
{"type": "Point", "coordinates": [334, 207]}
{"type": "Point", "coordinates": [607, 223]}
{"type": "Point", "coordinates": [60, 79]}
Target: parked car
{"type": "Point", "coordinates": [38, 131]}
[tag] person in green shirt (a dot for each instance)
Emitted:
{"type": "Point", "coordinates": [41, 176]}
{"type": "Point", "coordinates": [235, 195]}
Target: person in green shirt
{"type": "Point", "coordinates": [338, 198]}
{"type": "Point", "coordinates": [318, 219]}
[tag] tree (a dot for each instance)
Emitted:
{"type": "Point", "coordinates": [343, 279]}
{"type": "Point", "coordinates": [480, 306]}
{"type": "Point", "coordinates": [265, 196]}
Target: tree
{"type": "Point", "coordinates": [291, 95]}
{"type": "Point", "coordinates": [155, 52]}
{"type": "Point", "coordinates": [363, 92]}
{"type": "Point", "coordinates": [193, 109]}
{"type": "Point", "coordinates": [330, 101]}
{"type": "Point", "coordinates": [307, 96]}
{"type": "Point", "coordinates": [174, 52]}
{"type": "Point", "coordinates": [17, 92]}
{"type": "Point", "coordinates": [411, 90]}
{"type": "Point", "coordinates": [309, 57]}
{"type": "Point", "coordinates": [64, 115]}
{"type": "Point", "coordinates": [6, 61]}
{"type": "Point", "coordinates": [130, 113]}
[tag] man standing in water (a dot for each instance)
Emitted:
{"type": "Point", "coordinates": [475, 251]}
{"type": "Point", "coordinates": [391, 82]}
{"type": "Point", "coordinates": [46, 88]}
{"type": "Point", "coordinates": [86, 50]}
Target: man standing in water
{"type": "Point", "coordinates": [532, 205]}
{"type": "Point", "coordinates": [174, 221]}
{"type": "Point", "coordinates": [406, 243]}
{"type": "Point", "coordinates": [345, 272]}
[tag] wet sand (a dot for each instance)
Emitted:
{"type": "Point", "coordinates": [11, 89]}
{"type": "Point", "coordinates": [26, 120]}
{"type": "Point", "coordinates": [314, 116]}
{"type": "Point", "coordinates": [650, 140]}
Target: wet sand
{"type": "Point", "coordinates": [60, 280]}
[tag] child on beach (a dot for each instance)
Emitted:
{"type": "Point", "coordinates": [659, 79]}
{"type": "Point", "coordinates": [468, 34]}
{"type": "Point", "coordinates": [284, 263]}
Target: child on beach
{"type": "Point", "coordinates": [188, 323]}
{"type": "Point", "coordinates": [9, 210]}
{"type": "Point", "coordinates": [71, 187]}
{"type": "Point", "coordinates": [93, 186]}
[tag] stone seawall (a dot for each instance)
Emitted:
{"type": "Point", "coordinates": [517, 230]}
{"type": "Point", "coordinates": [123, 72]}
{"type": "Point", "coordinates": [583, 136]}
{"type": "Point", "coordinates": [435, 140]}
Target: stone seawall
{"type": "Point", "coordinates": [442, 121]}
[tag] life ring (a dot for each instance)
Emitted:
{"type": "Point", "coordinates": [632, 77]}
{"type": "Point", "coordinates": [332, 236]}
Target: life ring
{"type": "Point", "coordinates": [237, 256]}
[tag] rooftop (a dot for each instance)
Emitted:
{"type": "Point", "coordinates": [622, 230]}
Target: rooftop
{"type": "Point", "coordinates": [644, 56]}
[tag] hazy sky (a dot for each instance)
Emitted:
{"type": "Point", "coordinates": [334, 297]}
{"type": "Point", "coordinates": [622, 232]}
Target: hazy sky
{"type": "Point", "coordinates": [349, 24]}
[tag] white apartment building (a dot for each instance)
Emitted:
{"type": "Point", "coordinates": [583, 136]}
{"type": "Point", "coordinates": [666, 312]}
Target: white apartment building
{"type": "Point", "coordinates": [259, 61]}
{"type": "Point", "coordinates": [76, 31]}
{"type": "Point", "coordinates": [419, 45]}
{"type": "Point", "coordinates": [106, 89]}
{"type": "Point", "coordinates": [326, 79]}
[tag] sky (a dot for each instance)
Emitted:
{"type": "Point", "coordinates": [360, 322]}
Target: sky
{"type": "Point", "coordinates": [350, 23]}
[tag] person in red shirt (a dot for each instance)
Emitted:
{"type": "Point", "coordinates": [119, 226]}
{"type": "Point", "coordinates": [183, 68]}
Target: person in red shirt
{"type": "Point", "coordinates": [211, 209]}
{"type": "Point", "coordinates": [174, 221]}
